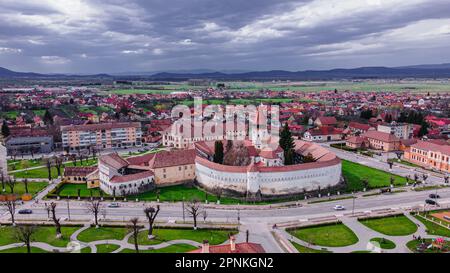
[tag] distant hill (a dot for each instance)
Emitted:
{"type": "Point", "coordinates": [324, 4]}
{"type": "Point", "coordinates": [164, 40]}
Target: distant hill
{"type": "Point", "coordinates": [417, 71]}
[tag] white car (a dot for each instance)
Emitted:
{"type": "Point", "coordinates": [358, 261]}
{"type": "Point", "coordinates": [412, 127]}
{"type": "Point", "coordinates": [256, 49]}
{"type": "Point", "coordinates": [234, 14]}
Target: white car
{"type": "Point", "coordinates": [339, 207]}
{"type": "Point", "coordinates": [114, 205]}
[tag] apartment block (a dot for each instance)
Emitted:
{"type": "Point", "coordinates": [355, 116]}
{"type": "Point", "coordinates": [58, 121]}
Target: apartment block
{"type": "Point", "coordinates": [102, 136]}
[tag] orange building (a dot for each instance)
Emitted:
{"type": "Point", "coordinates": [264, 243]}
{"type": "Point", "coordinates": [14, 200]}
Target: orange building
{"type": "Point", "coordinates": [429, 155]}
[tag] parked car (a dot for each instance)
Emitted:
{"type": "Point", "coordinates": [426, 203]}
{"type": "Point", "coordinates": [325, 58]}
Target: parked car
{"type": "Point", "coordinates": [25, 211]}
{"type": "Point", "coordinates": [339, 207]}
{"type": "Point", "coordinates": [431, 202]}
{"type": "Point", "coordinates": [434, 196]}
{"type": "Point", "coordinates": [113, 205]}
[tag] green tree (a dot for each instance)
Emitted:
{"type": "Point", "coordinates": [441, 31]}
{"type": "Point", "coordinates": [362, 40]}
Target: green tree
{"type": "Point", "coordinates": [423, 129]}
{"type": "Point", "coordinates": [289, 158]}
{"type": "Point", "coordinates": [218, 152]}
{"type": "Point", "coordinates": [5, 129]}
{"type": "Point", "coordinates": [48, 118]}
{"type": "Point", "coordinates": [287, 144]}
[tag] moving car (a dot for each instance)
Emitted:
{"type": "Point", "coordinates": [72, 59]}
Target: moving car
{"type": "Point", "coordinates": [25, 211]}
{"type": "Point", "coordinates": [434, 196]}
{"type": "Point", "coordinates": [113, 205]}
{"type": "Point", "coordinates": [430, 202]}
{"type": "Point", "coordinates": [339, 207]}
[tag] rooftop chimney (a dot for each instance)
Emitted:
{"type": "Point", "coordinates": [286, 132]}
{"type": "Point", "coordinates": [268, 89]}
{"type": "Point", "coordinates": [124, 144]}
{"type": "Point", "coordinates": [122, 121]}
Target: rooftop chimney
{"type": "Point", "coordinates": [205, 246]}
{"type": "Point", "coordinates": [232, 243]}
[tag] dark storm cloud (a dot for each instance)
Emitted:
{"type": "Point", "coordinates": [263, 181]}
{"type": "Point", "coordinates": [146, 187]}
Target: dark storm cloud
{"type": "Point", "coordinates": [93, 36]}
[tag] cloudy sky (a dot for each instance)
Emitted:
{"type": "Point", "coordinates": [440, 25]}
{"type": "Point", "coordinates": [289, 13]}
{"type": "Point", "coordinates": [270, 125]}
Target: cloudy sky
{"type": "Point", "coordinates": [92, 36]}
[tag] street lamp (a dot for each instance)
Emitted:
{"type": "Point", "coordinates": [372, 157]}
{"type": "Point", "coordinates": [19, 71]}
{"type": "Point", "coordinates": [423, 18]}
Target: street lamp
{"type": "Point", "coordinates": [68, 209]}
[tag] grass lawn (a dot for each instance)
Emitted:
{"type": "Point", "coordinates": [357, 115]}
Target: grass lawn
{"type": "Point", "coordinates": [106, 248]}
{"type": "Point", "coordinates": [304, 249]}
{"type": "Point", "coordinates": [361, 251]}
{"type": "Point", "coordinates": [384, 243]}
{"type": "Point", "coordinates": [71, 190]}
{"type": "Point", "coordinates": [42, 173]}
{"type": "Point", "coordinates": [20, 164]}
{"type": "Point", "coordinates": [33, 187]}
{"type": "Point", "coordinates": [102, 233]}
{"type": "Point", "coordinates": [178, 248]}
{"type": "Point", "coordinates": [45, 234]}
{"type": "Point", "coordinates": [333, 235]}
{"type": "Point", "coordinates": [177, 193]}
{"type": "Point", "coordinates": [23, 250]}
{"type": "Point", "coordinates": [214, 237]}
{"type": "Point", "coordinates": [355, 173]}
{"type": "Point", "coordinates": [434, 229]}
{"type": "Point", "coordinates": [392, 226]}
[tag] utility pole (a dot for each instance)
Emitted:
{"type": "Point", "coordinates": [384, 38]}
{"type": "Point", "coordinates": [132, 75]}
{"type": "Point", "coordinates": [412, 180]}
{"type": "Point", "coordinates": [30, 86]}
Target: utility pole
{"type": "Point", "coordinates": [184, 221]}
{"type": "Point", "coordinates": [353, 209]}
{"type": "Point", "coordinates": [68, 209]}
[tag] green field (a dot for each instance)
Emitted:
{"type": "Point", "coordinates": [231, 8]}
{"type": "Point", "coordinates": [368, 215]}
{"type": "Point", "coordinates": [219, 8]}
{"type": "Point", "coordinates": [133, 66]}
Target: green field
{"type": "Point", "coordinates": [23, 250]}
{"type": "Point", "coordinates": [102, 233]}
{"type": "Point", "coordinates": [391, 226]}
{"type": "Point", "coordinates": [304, 249]}
{"type": "Point", "coordinates": [355, 173]}
{"type": "Point", "coordinates": [33, 188]}
{"type": "Point", "coordinates": [106, 248]}
{"type": "Point", "coordinates": [22, 164]}
{"type": "Point", "coordinates": [434, 229]}
{"type": "Point", "coordinates": [214, 237]}
{"type": "Point", "coordinates": [333, 235]}
{"type": "Point", "coordinates": [384, 243]}
{"type": "Point", "coordinates": [42, 173]}
{"type": "Point", "coordinates": [178, 248]}
{"type": "Point", "coordinates": [71, 190]}
{"type": "Point", "coordinates": [180, 192]}
{"type": "Point", "coordinates": [45, 234]}
{"type": "Point", "coordinates": [304, 86]}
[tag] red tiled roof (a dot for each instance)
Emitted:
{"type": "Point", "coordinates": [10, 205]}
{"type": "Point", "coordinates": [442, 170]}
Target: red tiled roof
{"type": "Point", "coordinates": [327, 120]}
{"type": "Point", "coordinates": [429, 146]}
{"type": "Point", "coordinates": [381, 136]}
{"type": "Point", "coordinates": [131, 177]}
{"type": "Point", "coordinates": [355, 139]}
{"type": "Point", "coordinates": [114, 160]}
{"type": "Point", "coordinates": [325, 130]}
{"type": "Point", "coordinates": [100, 126]}
{"type": "Point", "coordinates": [79, 171]}
{"type": "Point", "coordinates": [359, 126]}
{"type": "Point", "coordinates": [140, 160]}
{"type": "Point", "coordinates": [173, 158]}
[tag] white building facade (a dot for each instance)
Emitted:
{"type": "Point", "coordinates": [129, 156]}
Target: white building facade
{"type": "Point", "coordinates": [3, 161]}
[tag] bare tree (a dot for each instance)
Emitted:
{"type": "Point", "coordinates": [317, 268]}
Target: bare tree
{"type": "Point", "coordinates": [218, 192]}
{"type": "Point", "coordinates": [194, 208]}
{"type": "Point", "coordinates": [56, 220]}
{"type": "Point", "coordinates": [24, 234]}
{"type": "Point", "coordinates": [94, 207]}
{"type": "Point", "coordinates": [151, 213]}
{"type": "Point", "coordinates": [48, 164]}
{"type": "Point", "coordinates": [134, 228]}
{"type": "Point", "coordinates": [2, 178]}
{"type": "Point", "coordinates": [11, 184]}
{"type": "Point", "coordinates": [25, 183]}
{"type": "Point", "coordinates": [58, 164]}
{"type": "Point", "coordinates": [11, 206]}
